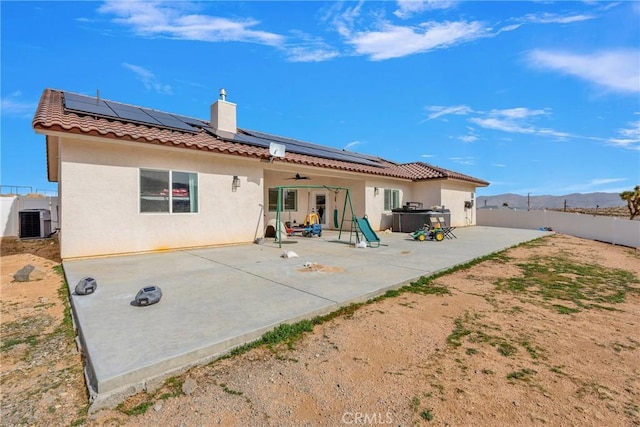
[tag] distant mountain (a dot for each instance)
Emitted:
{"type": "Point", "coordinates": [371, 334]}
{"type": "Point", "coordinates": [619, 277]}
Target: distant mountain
{"type": "Point", "coordinates": [575, 200]}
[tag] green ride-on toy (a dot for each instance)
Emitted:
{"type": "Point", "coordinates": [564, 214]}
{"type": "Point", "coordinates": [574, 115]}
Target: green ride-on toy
{"type": "Point", "coordinates": [428, 233]}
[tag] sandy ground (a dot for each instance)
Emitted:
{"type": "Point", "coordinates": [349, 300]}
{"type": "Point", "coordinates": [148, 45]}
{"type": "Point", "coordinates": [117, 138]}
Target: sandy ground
{"type": "Point", "coordinates": [547, 333]}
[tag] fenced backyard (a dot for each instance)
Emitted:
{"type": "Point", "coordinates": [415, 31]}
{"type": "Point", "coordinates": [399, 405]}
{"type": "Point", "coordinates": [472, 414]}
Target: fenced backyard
{"type": "Point", "coordinates": [614, 230]}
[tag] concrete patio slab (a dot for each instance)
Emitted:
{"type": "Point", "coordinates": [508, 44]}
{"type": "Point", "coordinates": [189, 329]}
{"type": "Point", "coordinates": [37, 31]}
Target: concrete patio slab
{"type": "Point", "coordinates": [215, 299]}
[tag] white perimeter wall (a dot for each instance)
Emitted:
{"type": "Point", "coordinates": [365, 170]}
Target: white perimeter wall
{"type": "Point", "coordinates": [12, 205]}
{"type": "Point", "coordinates": [100, 196]}
{"type": "Point", "coordinates": [614, 230]}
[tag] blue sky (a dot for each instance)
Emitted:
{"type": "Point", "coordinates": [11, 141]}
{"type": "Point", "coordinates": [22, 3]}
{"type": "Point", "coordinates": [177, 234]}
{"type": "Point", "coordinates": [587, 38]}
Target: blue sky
{"type": "Point", "coordinates": [534, 97]}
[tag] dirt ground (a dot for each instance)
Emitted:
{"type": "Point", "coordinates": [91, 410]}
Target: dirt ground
{"type": "Point", "coordinates": [544, 333]}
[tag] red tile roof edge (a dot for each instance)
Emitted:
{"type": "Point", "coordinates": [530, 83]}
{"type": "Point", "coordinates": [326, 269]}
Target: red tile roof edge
{"type": "Point", "coordinates": [51, 116]}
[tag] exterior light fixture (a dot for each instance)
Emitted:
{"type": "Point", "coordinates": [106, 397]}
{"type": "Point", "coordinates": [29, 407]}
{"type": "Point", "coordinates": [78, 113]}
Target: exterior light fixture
{"type": "Point", "coordinates": [235, 184]}
{"type": "Point", "coordinates": [376, 191]}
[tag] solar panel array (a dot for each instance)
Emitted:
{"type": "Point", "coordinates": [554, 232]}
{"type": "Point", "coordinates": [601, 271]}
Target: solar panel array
{"type": "Point", "coordinates": [301, 147]}
{"type": "Point", "coordinates": [128, 113]}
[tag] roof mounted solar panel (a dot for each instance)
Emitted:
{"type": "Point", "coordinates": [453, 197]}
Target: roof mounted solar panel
{"type": "Point", "coordinates": [123, 112]}
{"type": "Point", "coordinates": [133, 114]}
{"type": "Point", "coordinates": [300, 147]}
{"type": "Point", "coordinates": [81, 98]}
{"type": "Point", "coordinates": [169, 120]}
{"type": "Point", "coordinates": [251, 140]}
{"type": "Point", "coordinates": [99, 108]}
{"type": "Point", "coordinates": [308, 144]}
{"type": "Point", "coordinates": [195, 123]}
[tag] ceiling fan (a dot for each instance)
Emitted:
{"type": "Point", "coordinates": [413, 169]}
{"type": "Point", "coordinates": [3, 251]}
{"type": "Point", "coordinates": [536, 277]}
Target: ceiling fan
{"type": "Point", "coordinates": [298, 176]}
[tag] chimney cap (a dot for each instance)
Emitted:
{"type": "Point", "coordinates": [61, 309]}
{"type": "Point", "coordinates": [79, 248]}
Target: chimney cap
{"type": "Point", "coordinates": [223, 94]}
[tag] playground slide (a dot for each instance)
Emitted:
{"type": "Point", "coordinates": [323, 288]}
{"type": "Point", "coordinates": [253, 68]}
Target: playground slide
{"type": "Point", "coordinates": [368, 233]}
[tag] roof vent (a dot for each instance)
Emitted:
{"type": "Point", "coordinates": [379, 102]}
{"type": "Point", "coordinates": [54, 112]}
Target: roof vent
{"type": "Point", "coordinates": [223, 114]}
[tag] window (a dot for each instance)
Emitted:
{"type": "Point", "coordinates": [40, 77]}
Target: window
{"type": "Point", "coordinates": [391, 199]}
{"type": "Point", "coordinates": [155, 196]}
{"type": "Point", "coordinates": [289, 200]}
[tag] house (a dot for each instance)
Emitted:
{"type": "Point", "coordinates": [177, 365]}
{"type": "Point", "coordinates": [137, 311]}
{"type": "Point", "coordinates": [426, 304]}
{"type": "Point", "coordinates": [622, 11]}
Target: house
{"type": "Point", "coordinates": [133, 179]}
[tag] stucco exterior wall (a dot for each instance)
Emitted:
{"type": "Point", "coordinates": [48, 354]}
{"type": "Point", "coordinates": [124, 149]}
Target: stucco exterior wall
{"type": "Point", "coordinates": [454, 194]}
{"type": "Point", "coordinates": [380, 218]}
{"type": "Point", "coordinates": [101, 196]}
{"type": "Point", "coordinates": [428, 193]}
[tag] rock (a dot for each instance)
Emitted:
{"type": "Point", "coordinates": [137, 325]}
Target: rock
{"type": "Point", "coordinates": [157, 407]}
{"type": "Point", "coordinates": [189, 386]}
{"type": "Point", "coordinates": [29, 273]}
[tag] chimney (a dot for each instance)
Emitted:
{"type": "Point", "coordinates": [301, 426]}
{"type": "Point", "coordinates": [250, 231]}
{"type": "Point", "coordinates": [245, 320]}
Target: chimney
{"type": "Point", "coordinates": [223, 114]}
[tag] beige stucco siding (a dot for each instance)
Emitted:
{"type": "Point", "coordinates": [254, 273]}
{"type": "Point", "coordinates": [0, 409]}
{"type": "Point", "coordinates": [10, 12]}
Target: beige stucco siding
{"type": "Point", "coordinates": [454, 194]}
{"type": "Point", "coordinates": [380, 218]}
{"type": "Point", "coordinates": [428, 193]}
{"type": "Point", "coordinates": [100, 196]}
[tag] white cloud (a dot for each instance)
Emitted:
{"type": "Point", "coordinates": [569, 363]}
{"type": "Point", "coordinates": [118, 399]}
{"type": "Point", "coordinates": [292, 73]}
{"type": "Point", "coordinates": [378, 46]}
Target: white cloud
{"type": "Point", "coordinates": [467, 160]}
{"type": "Point", "coordinates": [351, 145]}
{"type": "Point", "coordinates": [392, 41]}
{"type": "Point", "coordinates": [468, 138]}
{"type": "Point", "coordinates": [615, 70]}
{"type": "Point", "coordinates": [517, 113]}
{"type": "Point", "coordinates": [175, 20]}
{"type": "Point", "coordinates": [509, 28]}
{"type": "Point", "coordinates": [438, 111]}
{"type": "Point", "coordinates": [628, 137]}
{"type": "Point", "coordinates": [407, 8]}
{"type": "Point", "coordinates": [604, 181]}
{"type": "Point", "coordinates": [309, 49]}
{"type": "Point", "coordinates": [501, 124]}
{"type": "Point", "coordinates": [344, 21]}
{"type": "Point", "coordinates": [149, 79]}
{"type": "Point", "coordinates": [515, 120]}
{"type": "Point", "coordinates": [552, 18]}
{"type": "Point", "coordinates": [427, 156]}
{"type": "Point", "coordinates": [512, 120]}
{"type": "Point", "coordinates": [498, 165]}
{"type": "Point", "coordinates": [302, 54]}
{"type": "Point", "coordinates": [13, 105]}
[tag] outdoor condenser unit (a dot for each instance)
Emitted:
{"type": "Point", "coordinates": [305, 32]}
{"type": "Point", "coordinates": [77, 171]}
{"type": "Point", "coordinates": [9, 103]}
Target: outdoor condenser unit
{"type": "Point", "coordinates": [35, 223]}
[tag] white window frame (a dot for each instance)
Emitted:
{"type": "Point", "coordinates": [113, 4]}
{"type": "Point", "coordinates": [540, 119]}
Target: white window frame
{"type": "Point", "coordinates": [193, 200]}
{"type": "Point", "coordinates": [391, 199]}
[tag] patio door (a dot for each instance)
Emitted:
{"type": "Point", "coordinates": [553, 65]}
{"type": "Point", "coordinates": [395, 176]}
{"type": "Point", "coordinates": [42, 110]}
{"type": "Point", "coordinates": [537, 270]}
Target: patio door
{"type": "Point", "coordinates": [319, 205]}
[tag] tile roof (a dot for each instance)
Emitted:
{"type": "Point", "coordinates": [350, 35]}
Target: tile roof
{"type": "Point", "coordinates": [51, 116]}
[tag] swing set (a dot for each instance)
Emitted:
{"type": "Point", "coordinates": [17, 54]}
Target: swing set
{"type": "Point", "coordinates": [336, 223]}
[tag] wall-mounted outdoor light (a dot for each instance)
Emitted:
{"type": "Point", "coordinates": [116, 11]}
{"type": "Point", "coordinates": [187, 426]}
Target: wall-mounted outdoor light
{"type": "Point", "coordinates": [376, 191]}
{"type": "Point", "coordinates": [235, 184]}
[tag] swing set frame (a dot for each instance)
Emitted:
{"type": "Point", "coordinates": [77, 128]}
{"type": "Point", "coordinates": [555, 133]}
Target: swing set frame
{"type": "Point", "coordinates": [335, 189]}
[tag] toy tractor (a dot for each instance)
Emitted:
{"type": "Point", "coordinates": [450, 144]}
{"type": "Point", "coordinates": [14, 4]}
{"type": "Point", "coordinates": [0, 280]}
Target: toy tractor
{"type": "Point", "coordinates": [428, 233]}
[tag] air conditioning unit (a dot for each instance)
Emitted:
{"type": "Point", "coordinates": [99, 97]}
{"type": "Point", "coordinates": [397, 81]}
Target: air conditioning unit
{"type": "Point", "coordinates": [35, 223]}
